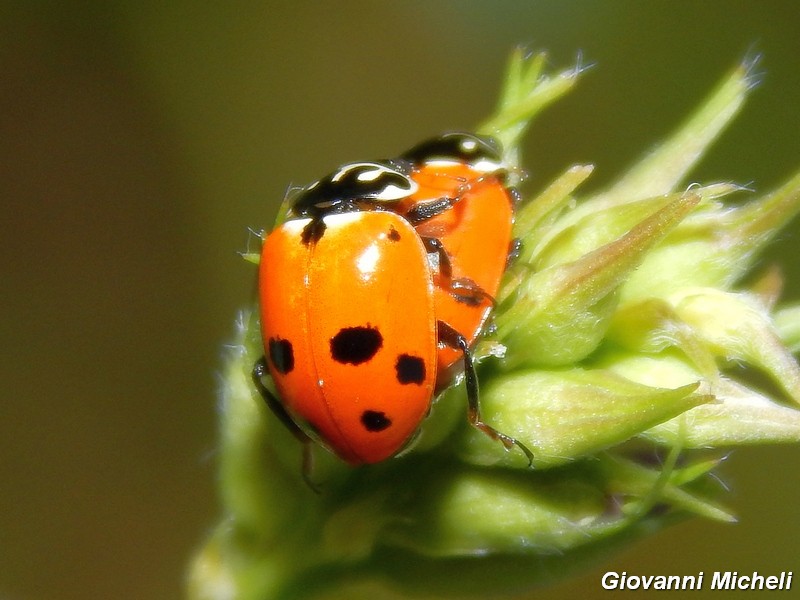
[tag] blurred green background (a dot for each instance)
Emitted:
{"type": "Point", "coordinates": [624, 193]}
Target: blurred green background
{"type": "Point", "coordinates": [140, 140]}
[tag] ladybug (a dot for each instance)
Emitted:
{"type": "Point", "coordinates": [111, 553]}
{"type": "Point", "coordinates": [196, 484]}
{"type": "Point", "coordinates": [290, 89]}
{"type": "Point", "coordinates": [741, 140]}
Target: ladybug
{"type": "Point", "coordinates": [349, 320]}
{"type": "Point", "coordinates": [466, 173]}
{"type": "Point", "coordinates": [360, 373]}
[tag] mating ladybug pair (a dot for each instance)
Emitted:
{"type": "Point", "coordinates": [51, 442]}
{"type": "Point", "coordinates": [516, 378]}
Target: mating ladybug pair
{"type": "Point", "coordinates": [374, 290]}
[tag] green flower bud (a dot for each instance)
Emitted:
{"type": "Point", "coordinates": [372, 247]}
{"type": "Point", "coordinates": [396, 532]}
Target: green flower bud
{"type": "Point", "coordinates": [738, 327]}
{"type": "Point", "coordinates": [569, 414]}
{"type": "Point", "coordinates": [560, 315]}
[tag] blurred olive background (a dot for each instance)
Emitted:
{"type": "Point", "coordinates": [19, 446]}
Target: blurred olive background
{"type": "Point", "coordinates": [140, 140]}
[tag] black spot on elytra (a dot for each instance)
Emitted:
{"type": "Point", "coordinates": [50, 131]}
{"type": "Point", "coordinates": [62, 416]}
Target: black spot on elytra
{"type": "Point", "coordinates": [281, 354]}
{"type": "Point", "coordinates": [410, 369]}
{"type": "Point", "coordinates": [356, 345]}
{"type": "Point", "coordinates": [313, 232]}
{"type": "Point", "coordinates": [394, 235]}
{"type": "Point", "coordinates": [375, 421]}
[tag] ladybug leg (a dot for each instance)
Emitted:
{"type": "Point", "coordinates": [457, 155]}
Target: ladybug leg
{"type": "Point", "coordinates": [516, 196]}
{"type": "Point", "coordinates": [463, 289]}
{"type": "Point", "coordinates": [468, 292]}
{"type": "Point", "coordinates": [259, 371]}
{"type": "Point", "coordinates": [443, 266]}
{"type": "Point", "coordinates": [423, 211]}
{"type": "Point", "coordinates": [514, 250]}
{"type": "Point", "coordinates": [454, 339]}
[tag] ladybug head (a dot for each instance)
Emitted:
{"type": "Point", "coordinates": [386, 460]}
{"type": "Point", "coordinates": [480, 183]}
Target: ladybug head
{"type": "Point", "coordinates": [355, 186]}
{"type": "Point", "coordinates": [482, 153]}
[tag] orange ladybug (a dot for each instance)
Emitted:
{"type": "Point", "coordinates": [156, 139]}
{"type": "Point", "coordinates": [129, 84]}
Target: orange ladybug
{"type": "Point", "coordinates": [345, 361]}
{"type": "Point", "coordinates": [465, 173]}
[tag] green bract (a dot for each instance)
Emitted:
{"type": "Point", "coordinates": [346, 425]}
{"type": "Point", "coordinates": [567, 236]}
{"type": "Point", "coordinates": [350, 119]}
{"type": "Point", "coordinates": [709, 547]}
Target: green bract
{"type": "Point", "coordinates": [615, 333]}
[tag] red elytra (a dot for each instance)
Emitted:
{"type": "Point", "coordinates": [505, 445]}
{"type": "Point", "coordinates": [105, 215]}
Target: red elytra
{"type": "Point", "coordinates": [350, 331]}
{"type": "Point", "coordinates": [476, 234]}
